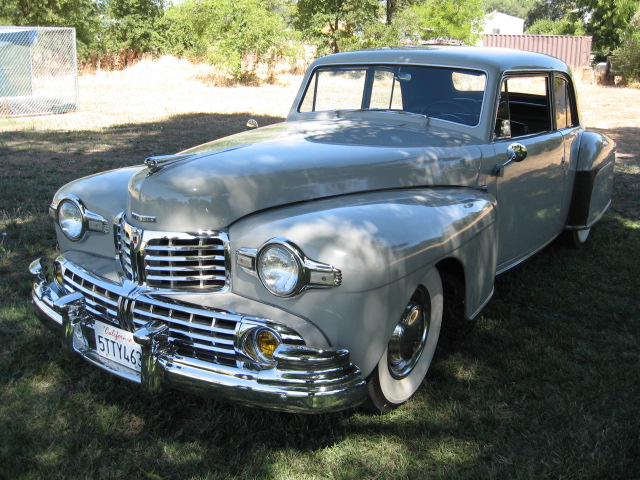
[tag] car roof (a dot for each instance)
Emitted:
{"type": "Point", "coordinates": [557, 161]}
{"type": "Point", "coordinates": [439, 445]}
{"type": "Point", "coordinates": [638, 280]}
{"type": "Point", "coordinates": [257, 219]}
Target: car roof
{"type": "Point", "coordinates": [490, 59]}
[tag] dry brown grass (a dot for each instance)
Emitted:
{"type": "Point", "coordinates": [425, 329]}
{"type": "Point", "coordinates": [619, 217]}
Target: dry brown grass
{"type": "Point", "coordinates": [177, 97]}
{"type": "Point", "coordinates": [154, 90]}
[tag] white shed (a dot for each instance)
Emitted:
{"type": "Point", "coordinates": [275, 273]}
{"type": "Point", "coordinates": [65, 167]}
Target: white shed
{"type": "Point", "coordinates": [498, 23]}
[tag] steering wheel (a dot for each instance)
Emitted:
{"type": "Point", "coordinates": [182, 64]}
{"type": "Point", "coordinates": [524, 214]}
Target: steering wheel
{"type": "Point", "coordinates": [443, 105]}
{"type": "Point", "coordinates": [443, 109]}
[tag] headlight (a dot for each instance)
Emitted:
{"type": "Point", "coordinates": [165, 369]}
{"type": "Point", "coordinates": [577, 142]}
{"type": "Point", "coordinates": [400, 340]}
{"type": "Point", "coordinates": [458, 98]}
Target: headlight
{"type": "Point", "coordinates": [71, 220]}
{"type": "Point", "coordinates": [279, 270]}
{"type": "Point", "coordinates": [285, 270]}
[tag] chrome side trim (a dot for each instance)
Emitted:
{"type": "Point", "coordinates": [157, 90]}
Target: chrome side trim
{"type": "Point", "coordinates": [522, 259]}
{"type": "Point", "coordinates": [484, 304]}
{"type": "Point", "coordinates": [591, 223]}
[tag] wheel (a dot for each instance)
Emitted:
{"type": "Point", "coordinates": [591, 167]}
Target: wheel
{"type": "Point", "coordinates": [574, 238]}
{"type": "Point", "coordinates": [408, 355]}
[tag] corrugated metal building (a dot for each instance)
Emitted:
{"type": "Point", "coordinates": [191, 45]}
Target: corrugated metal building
{"type": "Point", "coordinates": [573, 50]}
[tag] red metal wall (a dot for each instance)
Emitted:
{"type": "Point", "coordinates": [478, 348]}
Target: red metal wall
{"type": "Point", "coordinates": [573, 50]}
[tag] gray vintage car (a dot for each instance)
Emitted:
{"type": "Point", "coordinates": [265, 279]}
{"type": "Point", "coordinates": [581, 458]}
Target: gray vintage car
{"type": "Point", "coordinates": [307, 266]}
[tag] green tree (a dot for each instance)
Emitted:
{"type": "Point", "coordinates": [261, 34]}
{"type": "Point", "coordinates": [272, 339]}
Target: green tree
{"type": "Point", "coordinates": [226, 31]}
{"type": "Point", "coordinates": [516, 8]}
{"type": "Point", "coordinates": [334, 24]}
{"type": "Point", "coordinates": [606, 20]}
{"type": "Point", "coordinates": [564, 26]}
{"type": "Point", "coordinates": [132, 25]}
{"type": "Point", "coordinates": [448, 19]}
{"type": "Point", "coordinates": [81, 14]}
{"type": "Point", "coordinates": [554, 10]}
{"type": "Point", "coordinates": [626, 58]}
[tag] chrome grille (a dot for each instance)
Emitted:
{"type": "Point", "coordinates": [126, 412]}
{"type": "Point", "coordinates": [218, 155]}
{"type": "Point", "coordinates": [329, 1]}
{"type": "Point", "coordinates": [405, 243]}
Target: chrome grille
{"type": "Point", "coordinates": [125, 251]}
{"type": "Point", "coordinates": [195, 332]}
{"type": "Point", "coordinates": [172, 260]}
{"type": "Point", "coordinates": [101, 302]}
{"type": "Point", "coordinates": [197, 262]}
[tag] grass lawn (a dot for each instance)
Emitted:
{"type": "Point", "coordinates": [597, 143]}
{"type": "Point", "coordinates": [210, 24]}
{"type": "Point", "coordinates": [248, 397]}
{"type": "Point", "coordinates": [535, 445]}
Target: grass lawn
{"type": "Point", "coordinates": [546, 384]}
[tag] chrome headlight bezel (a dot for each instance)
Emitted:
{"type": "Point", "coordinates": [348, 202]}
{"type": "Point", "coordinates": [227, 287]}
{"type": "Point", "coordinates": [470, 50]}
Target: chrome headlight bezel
{"type": "Point", "coordinates": [87, 221]}
{"type": "Point", "coordinates": [293, 279]}
{"type": "Point", "coordinates": [311, 274]}
{"type": "Point", "coordinates": [71, 219]}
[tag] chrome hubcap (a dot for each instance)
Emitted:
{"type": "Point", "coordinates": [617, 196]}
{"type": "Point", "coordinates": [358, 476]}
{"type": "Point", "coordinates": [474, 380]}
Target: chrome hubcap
{"type": "Point", "coordinates": [408, 341]}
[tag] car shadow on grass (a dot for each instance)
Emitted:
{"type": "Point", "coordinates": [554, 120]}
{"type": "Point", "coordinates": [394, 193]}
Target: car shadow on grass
{"type": "Point", "coordinates": [543, 386]}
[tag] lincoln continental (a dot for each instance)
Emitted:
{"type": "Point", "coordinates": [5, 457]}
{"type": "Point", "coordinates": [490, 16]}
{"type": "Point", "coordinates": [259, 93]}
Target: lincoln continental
{"type": "Point", "coordinates": [309, 266]}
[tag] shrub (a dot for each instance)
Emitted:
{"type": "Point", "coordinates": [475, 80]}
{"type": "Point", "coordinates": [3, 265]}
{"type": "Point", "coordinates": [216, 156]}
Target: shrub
{"type": "Point", "coordinates": [226, 33]}
{"type": "Point", "coordinates": [626, 58]}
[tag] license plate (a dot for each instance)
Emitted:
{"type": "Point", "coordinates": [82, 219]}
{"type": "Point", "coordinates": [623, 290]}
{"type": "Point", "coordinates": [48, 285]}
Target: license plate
{"type": "Point", "coordinates": [117, 345]}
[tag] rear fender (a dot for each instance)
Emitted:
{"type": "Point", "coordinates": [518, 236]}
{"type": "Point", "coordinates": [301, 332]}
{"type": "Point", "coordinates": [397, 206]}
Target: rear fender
{"type": "Point", "coordinates": [593, 184]}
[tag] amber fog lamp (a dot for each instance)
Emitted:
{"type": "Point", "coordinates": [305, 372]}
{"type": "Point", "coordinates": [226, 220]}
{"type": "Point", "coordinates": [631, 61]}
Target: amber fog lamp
{"type": "Point", "coordinates": [279, 270]}
{"type": "Point", "coordinates": [261, 343]}
{"type": "Point", "coordinates": [266, 343]}
{"type": "Point", "coordinates": [57, 273]}
{"type": "Point", "coordinates": [71, 220]}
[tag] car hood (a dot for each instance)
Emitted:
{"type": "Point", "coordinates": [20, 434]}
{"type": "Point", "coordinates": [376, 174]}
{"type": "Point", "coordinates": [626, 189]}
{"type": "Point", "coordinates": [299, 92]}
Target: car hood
{"type": "Point", "coordinates": [215, 184]}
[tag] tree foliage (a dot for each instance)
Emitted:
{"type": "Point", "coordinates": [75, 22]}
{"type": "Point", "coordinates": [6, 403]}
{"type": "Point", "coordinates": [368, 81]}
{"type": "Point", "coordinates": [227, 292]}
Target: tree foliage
{"type": "Point", "coordinates": [81, 14]}
{"type": "Point", "coordinates": [225, 31]}
{"type": "Point", "coordinates": [553, 10]}
{"type": "Point", "coordinates": [451, 20]}
{"type": "Point", "coordinates": [132, 25]}
{"type": "Point", "coordinates": [563, 26]}
{"type": "Point", "coordinates": [606, 20]}
{"type": "Point", "coordinates": [626, 58]}
{"type": "Point", "coordinates": [337, 25]}
{"type": "Point", "coordinates": [516, 8]}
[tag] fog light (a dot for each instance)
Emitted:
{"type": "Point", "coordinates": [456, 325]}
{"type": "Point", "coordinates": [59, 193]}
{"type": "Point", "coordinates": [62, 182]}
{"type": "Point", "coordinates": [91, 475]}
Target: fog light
{"type": "Point", "coordinates": [267, 341]}
{"type": "Point", "coordinates": [260, 344]}
{"type": "Point", "coordinates": [57, 274]}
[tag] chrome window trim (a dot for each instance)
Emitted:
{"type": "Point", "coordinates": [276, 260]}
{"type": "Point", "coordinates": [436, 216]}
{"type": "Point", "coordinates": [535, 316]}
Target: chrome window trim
{"type": "Point", "coordinates": [392, 64]}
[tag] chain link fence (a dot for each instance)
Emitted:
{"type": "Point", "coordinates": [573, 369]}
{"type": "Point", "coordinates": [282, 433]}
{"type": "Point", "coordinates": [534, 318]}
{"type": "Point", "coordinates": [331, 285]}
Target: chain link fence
{"type": "Point", "coordinates": [38, 71]}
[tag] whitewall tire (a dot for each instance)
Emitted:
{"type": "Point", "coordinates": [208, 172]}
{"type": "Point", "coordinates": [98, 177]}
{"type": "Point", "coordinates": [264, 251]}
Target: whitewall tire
{"type": "Point", "coordinates": [408, 355]}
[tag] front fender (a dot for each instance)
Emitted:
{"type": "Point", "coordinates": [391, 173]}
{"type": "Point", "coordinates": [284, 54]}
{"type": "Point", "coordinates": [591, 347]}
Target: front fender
{"type": "Point", "coordinates": [384, 243]}
{"type": "Point", "coordinates": [103, 193]}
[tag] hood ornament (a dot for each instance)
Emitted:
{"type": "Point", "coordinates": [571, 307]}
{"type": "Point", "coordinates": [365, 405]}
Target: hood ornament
{"type": "Point", "coordinates": [158, 162]}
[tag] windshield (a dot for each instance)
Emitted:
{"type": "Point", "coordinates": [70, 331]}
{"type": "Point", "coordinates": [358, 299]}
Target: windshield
{"type": "Point", "coordinates": [449, 94]}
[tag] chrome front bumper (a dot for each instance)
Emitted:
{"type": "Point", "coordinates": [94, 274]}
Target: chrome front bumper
{"type": "Point", "coordinates": [304, 379]}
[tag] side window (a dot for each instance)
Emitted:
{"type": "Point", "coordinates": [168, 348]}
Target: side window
{"type": "Point", "coordinates": [524, 106]}
{"type": "Point", "coordinates": [348, 82]}
{"type": "Point", "coordinates": [565, 116]}
{"type": "Point", "coordinates": [385, 91]}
